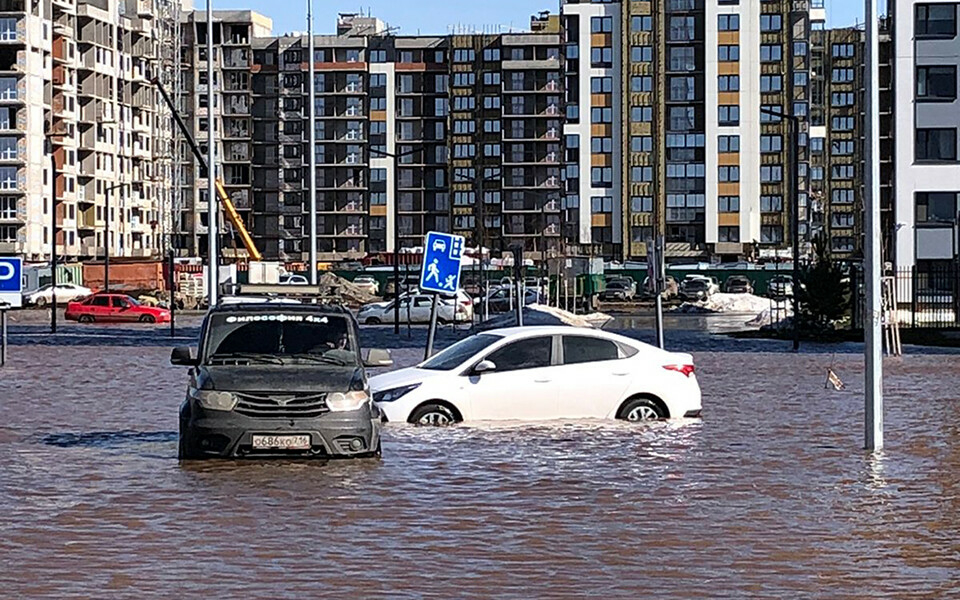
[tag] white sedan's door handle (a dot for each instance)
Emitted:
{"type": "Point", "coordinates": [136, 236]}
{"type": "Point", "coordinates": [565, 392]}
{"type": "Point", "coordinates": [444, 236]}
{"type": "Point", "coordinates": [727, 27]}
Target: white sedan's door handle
{"type": "Point", "coordinates": [542, 380]}
{"type": "Point", "coordinates": [620, 374]}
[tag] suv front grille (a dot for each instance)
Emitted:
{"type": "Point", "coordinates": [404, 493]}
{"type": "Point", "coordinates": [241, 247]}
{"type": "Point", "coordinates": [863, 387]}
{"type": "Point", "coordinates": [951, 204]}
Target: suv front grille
{"type": "Point", "coordinates": [282, 406]}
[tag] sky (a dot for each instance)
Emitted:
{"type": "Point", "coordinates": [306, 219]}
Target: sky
{"type": "Point", "coordinates": [436, 16]}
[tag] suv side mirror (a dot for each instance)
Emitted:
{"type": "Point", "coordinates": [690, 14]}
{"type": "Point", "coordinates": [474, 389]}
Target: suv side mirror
{"type": "Point", "coordinates": [484, 366]}
{"type": "Point", "coordinates": [183, 357]}
{"type": "Point", "coordinates": [378, 358]}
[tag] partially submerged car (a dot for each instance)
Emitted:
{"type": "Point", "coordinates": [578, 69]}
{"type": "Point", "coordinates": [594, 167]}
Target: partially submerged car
{"type": "Point", "coordinates": [278, 380]}
{"type": "Point", "coordinates": [738, 284]}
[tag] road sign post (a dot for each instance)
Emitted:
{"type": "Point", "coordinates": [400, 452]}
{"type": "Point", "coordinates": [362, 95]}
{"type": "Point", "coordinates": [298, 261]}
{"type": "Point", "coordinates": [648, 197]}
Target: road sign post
{"type": "Point", "coordinates": [440, 273]}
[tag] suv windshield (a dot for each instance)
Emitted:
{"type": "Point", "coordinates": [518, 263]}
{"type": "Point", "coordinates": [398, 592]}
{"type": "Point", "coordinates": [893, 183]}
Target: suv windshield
{"type": "Point", "coordinates": [456, 354]}
{"type": "Point", "coordinates": [280, 338]}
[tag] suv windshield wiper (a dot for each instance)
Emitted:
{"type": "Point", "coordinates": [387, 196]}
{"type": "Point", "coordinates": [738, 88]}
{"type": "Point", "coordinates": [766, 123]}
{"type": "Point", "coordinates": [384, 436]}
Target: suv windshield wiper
{"type": "Point", "coordinates": [320, 358]}
{"type": "Point", "coordinates": [253, 356]}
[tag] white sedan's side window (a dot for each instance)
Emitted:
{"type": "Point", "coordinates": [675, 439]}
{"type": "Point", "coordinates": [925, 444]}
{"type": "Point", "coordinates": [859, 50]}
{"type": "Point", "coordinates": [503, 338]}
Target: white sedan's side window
{"type": "Point", "coordinates": [581, 349]}
{"type": "Point", "coordinates": [531, 353]}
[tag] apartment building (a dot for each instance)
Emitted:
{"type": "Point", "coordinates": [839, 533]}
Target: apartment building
{"type": "Point", "coordinates": [75, 74]}
{"type": "Point", "coordinates": [926, 171]}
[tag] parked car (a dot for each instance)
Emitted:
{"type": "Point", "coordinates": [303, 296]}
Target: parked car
{"type": "Point", "coordinates": [278, 380]}
{"type": "Point", "coordinates": [712, 283]}
{"type": "Point", "coordinates": [695, 289]}
{"type": "Point", "coordinates": [738, 284]}
{"type": "Point", "coordinates": [114, 308]}
{"type": "Point", "coordinates": [499, 300]}
{"type": "Point", "coordinates": [780, 286]}
{"type": "Point", "coordinates": [368, 284]}
{"type": "Point", "coordinates": [617, 290]}
{"type": "Point", "coordinates": [294, 280]}
{"type": "Point", "coordinates": [558, 372]}
{"type": "Point", "coordinates": [66, 292]}
{"type": "Point", "coordinates": [417, 309]}
{"type": "Point", "coordinates": [670, 288]}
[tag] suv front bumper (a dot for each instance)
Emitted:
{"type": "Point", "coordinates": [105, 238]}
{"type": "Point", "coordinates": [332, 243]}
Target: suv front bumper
{"type": "Point", "coordinates": [227, 434]}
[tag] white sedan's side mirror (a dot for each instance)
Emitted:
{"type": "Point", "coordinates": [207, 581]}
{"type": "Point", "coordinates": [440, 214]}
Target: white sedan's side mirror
{"type": "Point", "coordinates": [484, 366]}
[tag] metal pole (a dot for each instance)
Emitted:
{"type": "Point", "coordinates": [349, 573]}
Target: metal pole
{"type": "Point", "coordinates": [396, 244]}
{"type": "Point", "coordinates": [106, 243]}
{"type": "Point", "coordinates": [795, 174]}
{"type": "Point", "coordinates": [873, 384]}
{"type": "Point", "coordinates": [432, 332]}
{"type": "Point", "coordinates": [213, 255]}
{"type": "Point", "coordinates": [658, 285]}
{"type": "Point", "coordinates": [173, 295]}
{"type": "Point", "coordinates": [3, 337]}
{"type": "Point", "coordinates": [53, 240]}
{"type": "Point", "coordinates": [519, 304]}
{"type": "Point", "coordinates": [313, 146]}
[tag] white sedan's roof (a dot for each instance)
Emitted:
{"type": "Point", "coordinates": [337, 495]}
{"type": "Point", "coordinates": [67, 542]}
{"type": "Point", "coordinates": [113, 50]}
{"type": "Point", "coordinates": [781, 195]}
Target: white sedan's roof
{"type": "Point", "coordinates": [531, 330]}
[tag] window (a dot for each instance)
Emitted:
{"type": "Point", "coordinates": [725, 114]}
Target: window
{"type": "Point", "coordinates": [933, 145]}
{"type": "Point", "coordinates": [842, 123]}
{"type": "Point", "coordinates": [772, 204]}
{"type": "Point", "coordinates": [842, 50]}
{"type": "Point", "coordinates": [842, 147]}
{"type": "Point", "coordinates": [682, 29]}
{"type": "Point", "coordinates": [937, 84]}
{"type": "Point", "coordinates": [841, 172]}
{"type": "Point", "coordinates": [682, 58]}
{"type": "Point", "coordinates": [601, 145]}
{"type": "Point", "coordinates": [729, 115]}
{"type": "Point", "coordinates": [771, 83]}
{"type": "Point", "coordinates": [841, 75]}
{"type": "Point", "coordinates": [640, 83]}
{"type": "Point", "coordinates": [771, 53]}
{"type": "Point", "coordinates": [771, 143]}
{"type": "Point", "coordinates": [729, 174]}
{"type": "Point", "coordinates": [771, 234]}
{"type": "Point", "coordinates": [641, 114]}
{"type": "Point", "coordinates": [491, 78]}
{"type": "Point", "coordinates": [936, 20]}
{"type": "Point", "coordinates": [842, 244]}
{"type": "Point", "coordinates": [771, 22]}
{"type": "Point", "coordinates": [601, 24]}
{"type": "Point", "coordinates": [462, 55]}
{"type": "Point", "coordinates": [641, 204]}
{"type": "Point", "coordinates": [729, 83]}
{"type": "Point", "coordinates": [771, 173]}
{"type": "Point", "coordinates": [8, 207]}
{"type": "Point", "coordinates": [841, 197]}
{"type": "Point", "coordinates": [602, 85]}
{"type": "Point", "coordinates": [936, 207]}
{"type": "Point", "coordinates": [641, 23]}
{"type": "Point", "coordinates": [601, 56]}
{"type": "Point", "coordinates": [682, 88]}
{"type": "Point", "coordinates": [491, 54]}
{"type": "Point", "coordinates": [728, 204]}
{"type": "Point", "coordinates": [641, 174]}
{"type": "Point", "coordinates": [728, 53]}
{"type": "Point", "coordinates": [728, 143]}
{"type": "Point", "coordinates": [728, 22]}
{"type": "Point", "coordinates": [581, 349]}
{"type": "Point", "coordinates": [841, 99]}
{"type": "Point", "coordinates": [532, 353]}
{"type": "Point", "coordinates": [601, 115]}
{"type": "Point", "coordinates": [641, 53]}
{"type": "Point", "coordinates": [842, 219]}
{"type": "Point", "coordinates": [728, 234]}
{"type": "Point", "coordinates": [642, 143]}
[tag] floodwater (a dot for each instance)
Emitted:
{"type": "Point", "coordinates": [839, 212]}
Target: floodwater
{"type": "Point", "coordinates": [769, 496]}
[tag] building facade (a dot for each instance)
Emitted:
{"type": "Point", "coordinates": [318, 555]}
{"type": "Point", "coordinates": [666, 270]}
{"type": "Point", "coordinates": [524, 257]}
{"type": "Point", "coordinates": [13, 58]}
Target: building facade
{"type": "Point", "coordinates": [75, 79]}
{"type": "Point", "coordinates": [925, 187]}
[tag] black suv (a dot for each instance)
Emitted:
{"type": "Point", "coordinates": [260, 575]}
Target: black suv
{"type": "Point", "coordinates": [278, 380]}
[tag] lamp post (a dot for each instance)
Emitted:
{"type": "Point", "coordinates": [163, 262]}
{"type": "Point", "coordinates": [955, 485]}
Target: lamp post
{"type": "Point", "coordinates": [48, 146]}
{"type": "Point", "coordinates": [396, 228]}
{"type": "Point", "coordinates": [794, 212]}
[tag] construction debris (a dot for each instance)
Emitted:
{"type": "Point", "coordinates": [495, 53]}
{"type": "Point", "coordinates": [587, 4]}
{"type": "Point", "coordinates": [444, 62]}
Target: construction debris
{"type": "Point", "coordinates": [349, 293]}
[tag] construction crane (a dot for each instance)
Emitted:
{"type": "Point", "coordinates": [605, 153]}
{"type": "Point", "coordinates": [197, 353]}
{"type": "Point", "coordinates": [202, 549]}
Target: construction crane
{"type": "Point", "coordinates": [225, 201]}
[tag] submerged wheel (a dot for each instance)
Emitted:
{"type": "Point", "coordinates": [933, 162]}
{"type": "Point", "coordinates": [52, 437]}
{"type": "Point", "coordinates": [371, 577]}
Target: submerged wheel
{"type": "Point", "coordinates": [148, 319]}
{"type": "Point", "coordinates": [433, 414]}
{"type": "Point", "coordinates": [641, 409]}
{"type": "Point", "coordinates": [372, 321]}
{"type": "Point", "coordinates": [41, 302]}
{"type": "Point", "coordinates": [85, 319]}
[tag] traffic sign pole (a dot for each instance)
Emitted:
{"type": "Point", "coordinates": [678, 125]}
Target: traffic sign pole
{"type": "Point", "coordinates": [432, 333]}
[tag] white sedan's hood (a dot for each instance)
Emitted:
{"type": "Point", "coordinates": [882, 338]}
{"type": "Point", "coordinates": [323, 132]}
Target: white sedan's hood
{"type": "Point", "coordinates": [374, 306]}
{"type": "Point", "coordinates": [402, 377]}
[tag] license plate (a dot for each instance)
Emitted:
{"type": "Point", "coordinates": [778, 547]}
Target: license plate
{"type": "Point", "coordinates": [281, 442]}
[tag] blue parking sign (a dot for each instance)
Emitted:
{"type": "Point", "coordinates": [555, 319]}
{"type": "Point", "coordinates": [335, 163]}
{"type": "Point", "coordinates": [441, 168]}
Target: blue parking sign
{"type": "Point", "coordinates": [11, 279]}
{"type": "Point", "coordinates": [441, 263]}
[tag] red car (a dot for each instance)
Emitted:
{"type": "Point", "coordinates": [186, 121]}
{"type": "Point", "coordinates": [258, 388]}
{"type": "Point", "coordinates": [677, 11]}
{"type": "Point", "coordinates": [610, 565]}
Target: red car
{"type": "Point", "coordinates": [114, 308]}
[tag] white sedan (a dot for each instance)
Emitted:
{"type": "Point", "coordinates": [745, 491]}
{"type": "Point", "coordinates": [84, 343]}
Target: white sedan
{"type": "Point", "coordinates": [417, 308]}
{"type": "Point", "coordinates": [66, 293]}
{"type": "Point", "coordinates": [537, 373]}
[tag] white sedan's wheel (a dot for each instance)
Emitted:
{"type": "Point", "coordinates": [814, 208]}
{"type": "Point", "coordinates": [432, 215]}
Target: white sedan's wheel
{"type": "Point", "coordinates": [435, 415]}
{"type": "Point", "coordinates": [641, 409]}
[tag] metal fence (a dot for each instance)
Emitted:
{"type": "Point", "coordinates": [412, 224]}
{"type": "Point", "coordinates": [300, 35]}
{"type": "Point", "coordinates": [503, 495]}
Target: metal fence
{"type": "Point", "coordinates": [926, 296]}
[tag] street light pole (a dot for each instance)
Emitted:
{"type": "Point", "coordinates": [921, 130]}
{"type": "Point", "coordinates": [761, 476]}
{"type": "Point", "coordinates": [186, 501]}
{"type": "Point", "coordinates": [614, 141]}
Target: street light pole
{"type": "Point", "coordinates": [312, 160]}
{"type": "Point", "coordinates": [873, 384]}
{"type": "Point", "coordinates": [213, 255]}
{"type": "Point", "coordinates": [53, 234]}
{"type": "Point", "coordinates": [794, 211]}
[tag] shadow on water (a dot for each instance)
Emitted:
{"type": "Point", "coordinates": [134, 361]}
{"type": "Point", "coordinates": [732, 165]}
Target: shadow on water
{"type": "Point", "coordinates": [107, 439]}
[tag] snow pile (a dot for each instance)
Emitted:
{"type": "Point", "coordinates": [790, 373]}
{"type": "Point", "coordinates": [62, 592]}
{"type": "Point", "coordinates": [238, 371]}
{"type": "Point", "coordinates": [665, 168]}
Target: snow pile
{"type": "Point", "coordinates": [349, 292]}
{"type": "Point", "coordinates": [727, 303]}
{"type": "Point", "coordinates": [541, 314]}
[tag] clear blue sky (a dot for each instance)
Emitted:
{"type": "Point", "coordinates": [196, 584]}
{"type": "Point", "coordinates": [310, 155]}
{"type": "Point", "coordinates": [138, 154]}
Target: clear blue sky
{"type": "Point", "coordinates": [434, 16]}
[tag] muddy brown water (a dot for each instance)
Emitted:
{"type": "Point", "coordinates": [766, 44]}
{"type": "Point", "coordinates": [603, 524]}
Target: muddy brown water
{"type": "Point", "coordinates": [769, 496]}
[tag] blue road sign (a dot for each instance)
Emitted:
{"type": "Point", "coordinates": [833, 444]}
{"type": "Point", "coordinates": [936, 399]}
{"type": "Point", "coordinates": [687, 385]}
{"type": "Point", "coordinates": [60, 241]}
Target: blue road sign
{"type": "Point", "coordinates": [441, 263]}
{"type": "Point", "coordinates": [11, 279]}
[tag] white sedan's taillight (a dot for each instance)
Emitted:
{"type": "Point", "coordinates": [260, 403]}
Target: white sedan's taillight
{"type": "Point", "coordinates": [685, 369]}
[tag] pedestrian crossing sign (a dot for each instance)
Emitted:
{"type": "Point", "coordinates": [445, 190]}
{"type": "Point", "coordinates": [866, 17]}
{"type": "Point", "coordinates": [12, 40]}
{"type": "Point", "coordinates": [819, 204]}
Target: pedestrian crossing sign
{"type": "Point", "coordinates": [442, 257]}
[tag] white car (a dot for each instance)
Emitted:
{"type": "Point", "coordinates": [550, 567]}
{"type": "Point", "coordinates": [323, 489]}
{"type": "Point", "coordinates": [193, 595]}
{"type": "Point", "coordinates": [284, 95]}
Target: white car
{"type": "Point", "coordinates": [367, 284]}
{"type": "Point", "coordinates": [416, 308]}
{"type": "Point", "coordinates": [294, 280]}
{"type": "Point", "coordinates": [537, 373]}
{"type": "Point", "coordinates": [66, 292]}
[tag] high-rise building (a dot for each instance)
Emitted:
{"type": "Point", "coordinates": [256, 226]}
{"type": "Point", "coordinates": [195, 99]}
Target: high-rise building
{"type": "Point", "coordinates": [925, 187]}
{"type": "Point", "coordinates": [75, 86]}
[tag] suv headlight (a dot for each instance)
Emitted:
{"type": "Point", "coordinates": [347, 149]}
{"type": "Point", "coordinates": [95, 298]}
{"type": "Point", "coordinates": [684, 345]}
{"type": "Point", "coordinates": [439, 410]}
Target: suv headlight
{"type": "Point", "coordinates": [395, 393]}
{"type": "Point", "coordinates": [213, 400]}
{"type": "Point", "coordinates": [339, 402]}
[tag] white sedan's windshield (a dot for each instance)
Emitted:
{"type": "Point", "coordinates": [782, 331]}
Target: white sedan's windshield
{"type": "Point", "coordinates": [456, 354]}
